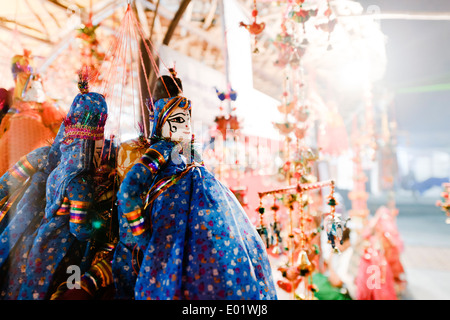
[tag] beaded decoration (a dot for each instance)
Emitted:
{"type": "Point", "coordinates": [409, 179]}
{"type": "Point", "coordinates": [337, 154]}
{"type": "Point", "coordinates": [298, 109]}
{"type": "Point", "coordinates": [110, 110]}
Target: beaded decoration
{"type": "Point", "coordinates": [276, 229]}
{"type": "Point", "coordinates": [87, 123]}
{"type": "Point", "coordinates": [79, 128]}
{"type": "Point", "coordinates": [83, 80]}
{"type": "Point", "coordinates": [262, 229]}
{"type": "Point", "coordinates": [333, 224]}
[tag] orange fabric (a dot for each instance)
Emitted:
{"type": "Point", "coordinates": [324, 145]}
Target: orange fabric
{"type": "Point", "coordinates": [129, 153]}
{"type": "Point", "coordinates": [51, 117]}
{"type": "Point", "coordinates": [25, 131]}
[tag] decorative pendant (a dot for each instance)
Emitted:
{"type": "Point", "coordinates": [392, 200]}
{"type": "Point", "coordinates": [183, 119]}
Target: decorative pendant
{"type": "Point", "coordinates": [333, 225]}
{"type": "Point", "coordinates": [254, 28]}
{"type": "Point", "coordinates": [262, 230]}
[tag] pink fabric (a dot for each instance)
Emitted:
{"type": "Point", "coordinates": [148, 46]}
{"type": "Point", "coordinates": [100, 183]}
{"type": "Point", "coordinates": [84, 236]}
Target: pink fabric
{"type": "Point", "coordinates": [387, 231]}
{"type": "Point", "coordinates": [375, 280]}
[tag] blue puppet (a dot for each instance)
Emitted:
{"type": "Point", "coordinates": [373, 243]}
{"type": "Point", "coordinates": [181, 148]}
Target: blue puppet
{"type": "Point", "coordinates": [196, 240]}
{"type": "Point", "coordinates": [23, 189]}
{"type": "Point", "coordinates": [66, 228]}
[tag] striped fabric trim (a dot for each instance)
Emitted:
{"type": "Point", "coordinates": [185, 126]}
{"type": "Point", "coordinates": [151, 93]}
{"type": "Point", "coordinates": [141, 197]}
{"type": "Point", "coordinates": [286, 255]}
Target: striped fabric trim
{"type": "Point", "coordinates": [6, 203]}
{"type": "Point", "coordinates": [65, 207]}
{"type": "Point", "coordinates": [103, 270]}
{"type": "Point", "coordinates": [153, 160]}
{"type": "Point", "coordinates": [160, 186]}
{"type": "Point", "coordinates": [136, 222]}
{"type": "Point", "coordinates": [3, 201]}
{"type": "Point", "coordinates": [78, 211]}
{"type": "Point", "coordinates": [22, 170]}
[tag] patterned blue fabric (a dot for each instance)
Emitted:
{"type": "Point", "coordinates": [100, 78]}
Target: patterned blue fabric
{"type": "Point", "coordinates": [127, 254]}
{"type": "Point", "coordinates": [17, 237]}
{"type": "Point", "coordinates": [13, 185]}
{"type": "Point", "coordinates": [196, 239]}
{"type": "Point", "coordinates": [125, 264]}
{"type": "Point", "coordinates": [60, 242]}
{"type": "Point", "coordinates": [22, 220]}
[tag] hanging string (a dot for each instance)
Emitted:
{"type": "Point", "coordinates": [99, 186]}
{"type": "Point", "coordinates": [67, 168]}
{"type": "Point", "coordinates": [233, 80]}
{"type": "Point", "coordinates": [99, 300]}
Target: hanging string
{"type": "Point", "coordinates": [112, 52]}
{"type": "Point", "coordinates": [141, 59]}
{"type": "Point", "coordinates": [124, 68]}
{"type": "Point", "coordinates": [121, 53]}
{"type": "Point", "coordinates": [141, 33]}
{"type": "Point", "coordinates": [132, 80]}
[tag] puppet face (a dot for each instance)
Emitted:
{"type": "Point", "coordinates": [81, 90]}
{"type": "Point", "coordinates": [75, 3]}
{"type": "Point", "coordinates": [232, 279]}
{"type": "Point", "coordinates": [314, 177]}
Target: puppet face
{"type": "Point", "coordinates": [35, 92]}
{"type": "Point", "coordinates": [178, 126]}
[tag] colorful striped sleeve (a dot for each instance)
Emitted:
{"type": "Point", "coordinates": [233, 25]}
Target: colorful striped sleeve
{"type": "Point", "coordinates": [136, 222]}
{"type": "Point", "coordinates": [22, 170]}
{"type": "Point", "coordinates": [80, 196]}
{"type": "Point", "coordinates": [152, 160]}
{"type": "Point", "coordinates": [79, 211]}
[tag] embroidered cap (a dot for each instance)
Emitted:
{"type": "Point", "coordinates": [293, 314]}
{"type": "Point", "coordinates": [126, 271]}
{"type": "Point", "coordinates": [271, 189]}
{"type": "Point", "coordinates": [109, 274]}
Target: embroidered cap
{"type": "Point", "coordinates": [86, 118]}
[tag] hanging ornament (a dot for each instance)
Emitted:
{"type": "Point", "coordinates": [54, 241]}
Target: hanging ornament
{"type": "Point", "coordinates": [283, 42]}
{"type": "Point", "coordinates": [91, 54]}
{"type": "Point", "coordinates": [83, 79]}
{"type": "Point", "coordinates": [297, 271]}
{"type": "Point", "coordinates": [221, 122]}
{"type": "Point", "coordinates": [276, 229]}
{"type": "Point", "coordinates": [229, 95]}
{"type": "Point", "coordinates": [444, 203]}
{"type": "Point", "coordinates": [262, 230]}
{"type": "Point", "coordinates": [300, 133]}
{"type": "Point", "coordinates": [294, 62]}
{"type": "Point", "coordinates": [299, 15]}
{"type": "Point", "coordinates": [302, 114]}
{"type": "Point", "coordinates": [329, 25]}
{"type": "Point", "coordinates": [333, 225]}
{"type": "Point", "coordinates": [254, 28]}
{"type": "Point", "coordinates": [284, 56]}
{"type": "Point", "coordinates": [234, 123]}
{"type": "Point", "coordinates": [284, 38]}
{"type": "Point", "coordinates": [228, 121]}
{"type": "Point", "coordinates": [303, 264]}
{"type": "Point", "coordinates": [285, 128]}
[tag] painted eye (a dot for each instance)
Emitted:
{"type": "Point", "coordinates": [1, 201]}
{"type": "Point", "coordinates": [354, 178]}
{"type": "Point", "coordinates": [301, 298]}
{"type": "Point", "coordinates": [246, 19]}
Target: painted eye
{"type": "Point", "coordinates": [177, 119]}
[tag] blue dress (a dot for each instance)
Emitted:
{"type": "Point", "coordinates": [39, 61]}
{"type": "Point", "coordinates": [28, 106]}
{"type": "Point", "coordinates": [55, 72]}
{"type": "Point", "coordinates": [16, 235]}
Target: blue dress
{"type": "Point", "coordinates": [62, 237]}
{"type": "Point", "coordinates": [196, 239]}
{"type": "Point", "coordinates": [25, 214]}
{"type": "Point", "coordinates": [127, 254]}
{"type": "Point", "coordinates": [21, 219]}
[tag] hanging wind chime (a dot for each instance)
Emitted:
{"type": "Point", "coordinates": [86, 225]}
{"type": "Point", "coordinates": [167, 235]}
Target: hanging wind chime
{"type": "Point", "coordinates": [300, 15]}
{"type": "Point", "coordinates": [254, 28]}
{"type": "Point", "coordinates": [298, 251]}
{"type": "Point", "coordinates": [333, 224]}
{"type": "Point", "coordinates": [329, 25]}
